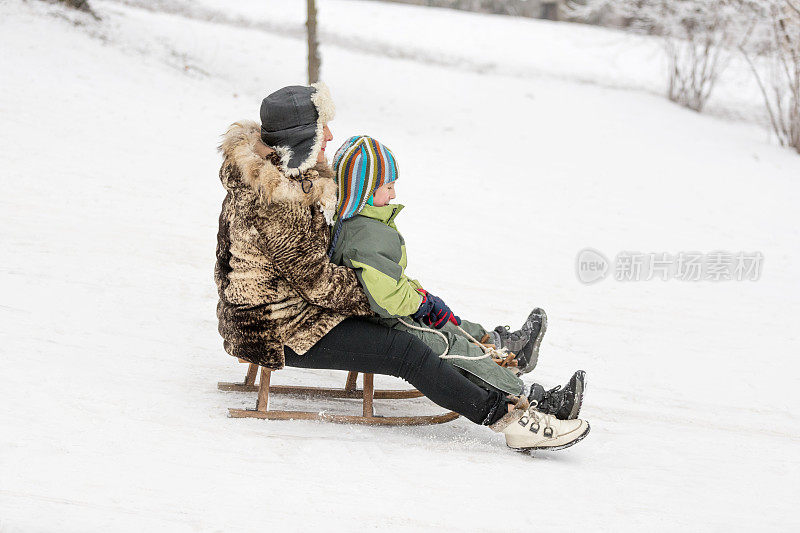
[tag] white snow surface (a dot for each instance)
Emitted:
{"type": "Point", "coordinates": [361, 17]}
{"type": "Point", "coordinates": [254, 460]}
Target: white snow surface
{"type": "Point", "coordinates": [109, 354]}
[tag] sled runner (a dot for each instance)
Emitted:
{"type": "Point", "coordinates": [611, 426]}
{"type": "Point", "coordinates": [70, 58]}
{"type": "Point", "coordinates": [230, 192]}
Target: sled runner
{"type": "Point", "coordinates": [367, 394]}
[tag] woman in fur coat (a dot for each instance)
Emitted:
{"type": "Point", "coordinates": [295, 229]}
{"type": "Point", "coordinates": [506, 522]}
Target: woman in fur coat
{"type": "Point", "coordinates": [282, 302]}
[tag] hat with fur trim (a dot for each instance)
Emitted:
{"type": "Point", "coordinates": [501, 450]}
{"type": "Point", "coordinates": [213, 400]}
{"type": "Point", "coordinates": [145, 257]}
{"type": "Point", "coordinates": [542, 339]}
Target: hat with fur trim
{"type": "Point", "coordinates": [292, 122]}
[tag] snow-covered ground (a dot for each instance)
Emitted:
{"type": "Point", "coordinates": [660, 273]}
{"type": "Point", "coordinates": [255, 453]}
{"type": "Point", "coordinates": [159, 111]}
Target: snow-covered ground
{"type": "Point", "coordinates": [109, 355]}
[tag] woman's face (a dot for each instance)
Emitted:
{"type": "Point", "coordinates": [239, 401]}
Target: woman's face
{"type": "Point", "coordinates": [326, 136]}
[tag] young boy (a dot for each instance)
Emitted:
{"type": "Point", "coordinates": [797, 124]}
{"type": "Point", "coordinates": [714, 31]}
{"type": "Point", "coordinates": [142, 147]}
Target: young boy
{"type": "Point", "coordinates": [365, 238]}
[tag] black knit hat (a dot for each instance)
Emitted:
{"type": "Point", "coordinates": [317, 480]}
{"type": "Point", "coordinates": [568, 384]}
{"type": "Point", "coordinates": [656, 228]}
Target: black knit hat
{"type": "Point", "coordinates": [292, 122]}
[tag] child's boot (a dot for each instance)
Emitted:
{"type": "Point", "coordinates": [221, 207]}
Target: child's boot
{"type": "Point", "coordinates": [535, 327]}
{"type": "Point", "coordinates": [524, 342]}
{"type": "Point", "coordinates": [513, 341]}
{"type": "Point", "coordinates": [562, 402]}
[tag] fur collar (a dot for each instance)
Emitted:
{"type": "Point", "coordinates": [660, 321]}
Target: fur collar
{"type": "Point", "coordinates": [242, 146]}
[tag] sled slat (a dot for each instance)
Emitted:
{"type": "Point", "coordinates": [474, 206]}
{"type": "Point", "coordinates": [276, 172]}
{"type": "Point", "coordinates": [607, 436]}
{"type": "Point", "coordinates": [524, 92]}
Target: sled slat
{"type": "Point", "coordinates": [345, 419]}
{"type": "Point", "coordinates": [369, 390]}
{"type": "Point", "coordinates": [323, 392]}
{"type": "Point", "coordinates": [351, 381]}
{"type": "Point", "coordinates": [263, 391]}
{"type": "Point", "coordinates": [252, 372]}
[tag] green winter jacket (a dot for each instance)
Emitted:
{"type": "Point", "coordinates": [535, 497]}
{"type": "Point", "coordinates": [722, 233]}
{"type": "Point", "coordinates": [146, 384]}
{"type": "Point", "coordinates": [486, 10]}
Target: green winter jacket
{"type": "Point", "coordinates": [370, 244]}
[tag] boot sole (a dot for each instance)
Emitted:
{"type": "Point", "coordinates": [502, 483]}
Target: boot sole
{"type": "Point", "coordinates": [579, 390]}
{"type": "Point", "coordinates": [556, 448]}
{"type": "Point", "coordinates": [537, 342]}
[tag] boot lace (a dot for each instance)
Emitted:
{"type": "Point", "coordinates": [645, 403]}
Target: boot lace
{"type": "Point", "coordinates": [538, 418]}
{"type": "Point", "coordinates": [554, 399]}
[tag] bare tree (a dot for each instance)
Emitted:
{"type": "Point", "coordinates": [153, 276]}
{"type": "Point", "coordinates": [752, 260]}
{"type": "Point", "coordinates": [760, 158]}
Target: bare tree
{"type": "Point", "coordinates": [775, 63]}
{"type": "Point", "coordinates": [698, 37]}
{"type": "Point", "coordinates": [698, 42]}
{"type": "Point", "coordinates": [314, 60]}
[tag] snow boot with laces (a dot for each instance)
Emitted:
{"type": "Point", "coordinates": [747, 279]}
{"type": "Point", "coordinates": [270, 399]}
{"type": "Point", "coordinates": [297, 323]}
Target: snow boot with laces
{"type": "Point", "coordinates": [513, 341]}
{"type": "Point", "coordinates": [535, 326]}
{"type": "Point", "coordinates": [562, 402]}
{"type": "Point", "coordinates": [525, 341]}
{"type": "Point", "coordinates": [526, 428]}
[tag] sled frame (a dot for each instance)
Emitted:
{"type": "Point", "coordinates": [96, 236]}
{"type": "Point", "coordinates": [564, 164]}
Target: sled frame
{"type": "Point", "coordinates": [367, 395]}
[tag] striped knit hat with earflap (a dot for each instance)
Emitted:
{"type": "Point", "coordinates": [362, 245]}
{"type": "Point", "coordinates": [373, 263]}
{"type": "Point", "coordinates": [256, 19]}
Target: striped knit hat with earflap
{"type": "Point", "coordinates": [361, 165]}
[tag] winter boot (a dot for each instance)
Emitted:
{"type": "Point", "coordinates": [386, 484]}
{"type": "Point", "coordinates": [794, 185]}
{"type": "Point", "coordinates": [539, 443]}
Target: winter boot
{"type": "Point", "coordinates": [524, 342]}
{"type": "Point", "coordinates": [563, 403]}
{"type": "Point", "coordinates": [513, 341]}
{"type": "Point", "coordinates": [534, 327]}
{"type": "Point", "coordinates": [539, 431]}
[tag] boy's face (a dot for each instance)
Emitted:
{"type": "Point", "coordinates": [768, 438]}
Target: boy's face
{"type": "Point", "coordinates": [383, 195]}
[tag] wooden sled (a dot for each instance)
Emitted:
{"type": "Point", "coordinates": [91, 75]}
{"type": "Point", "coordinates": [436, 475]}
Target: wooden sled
{"type": "Point", "coordinates": [367, 394]}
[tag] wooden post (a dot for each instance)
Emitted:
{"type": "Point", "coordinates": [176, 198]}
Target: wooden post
{"type": "Point", "coordinates": [263, 391]}
{"type": "Point", "coordinates": [252, 372]}
{"type": "Point", "coordinates": [351, 381]}
{"type": "Point", "coordinates": [313, 45]}
{"type": "Point", "coordinates": [550, 10]}
{"type": "Point", "coordinates": [369, 390]}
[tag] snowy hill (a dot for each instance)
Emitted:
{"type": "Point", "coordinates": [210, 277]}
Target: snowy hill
{"type": "Point", "coordinates": [110, 417]}
{"type": "Point", "coordinates": [514, 47]}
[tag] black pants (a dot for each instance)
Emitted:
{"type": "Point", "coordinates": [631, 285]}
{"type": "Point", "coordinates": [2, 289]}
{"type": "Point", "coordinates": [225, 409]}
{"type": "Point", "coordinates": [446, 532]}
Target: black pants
{"type": "Point", "coordinates": [363, 346]}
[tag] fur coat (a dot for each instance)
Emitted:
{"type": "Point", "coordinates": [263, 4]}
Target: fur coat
{"type": "Point", "coordinates": [276, 285]}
